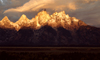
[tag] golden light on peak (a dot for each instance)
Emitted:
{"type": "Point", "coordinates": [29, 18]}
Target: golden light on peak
{"type": "Point", "coordinates": [24, 16]}
{"type": "Point", "coordinates": [67, 16]}
{"type": "Point", "coordinates": [55, 20]}
{"type": "Point", "coordinates": [74, 19]}
{"type": "Point", "coordinates": [43, 17]}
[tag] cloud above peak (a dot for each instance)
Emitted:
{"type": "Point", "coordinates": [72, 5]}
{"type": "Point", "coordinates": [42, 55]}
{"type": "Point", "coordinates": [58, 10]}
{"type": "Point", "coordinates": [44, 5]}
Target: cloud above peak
{"type": "Point", "coordinates": [31, 5]}
{"type": "Point", "coordinates": [34, 5]}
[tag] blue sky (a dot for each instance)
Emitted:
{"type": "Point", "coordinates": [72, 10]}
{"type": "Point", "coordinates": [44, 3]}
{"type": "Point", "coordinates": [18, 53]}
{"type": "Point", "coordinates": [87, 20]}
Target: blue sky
{"type": "Point", "coordinates": [85, 10]}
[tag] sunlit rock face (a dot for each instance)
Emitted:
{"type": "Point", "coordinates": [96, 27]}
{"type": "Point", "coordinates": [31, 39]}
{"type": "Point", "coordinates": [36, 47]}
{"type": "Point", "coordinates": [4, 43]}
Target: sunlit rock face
{"type": "Point", "coordinates": [6, 23]}
{"type": "Point", "coordinates": [57, 29]}
{"type": "Point", "coordinates": [41, 19]}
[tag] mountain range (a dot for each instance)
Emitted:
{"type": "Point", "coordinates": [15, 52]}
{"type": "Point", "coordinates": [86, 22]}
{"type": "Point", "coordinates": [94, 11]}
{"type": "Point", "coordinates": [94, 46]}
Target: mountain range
{"type": "Point", "coordinates": [57, 29]}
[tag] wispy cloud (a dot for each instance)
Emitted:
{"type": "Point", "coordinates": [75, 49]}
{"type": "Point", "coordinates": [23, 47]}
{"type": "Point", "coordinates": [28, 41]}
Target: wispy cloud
{"type": "Point", "coordinates": [34, 5]}
{"type": "Point", "coordinates": [31, 5]}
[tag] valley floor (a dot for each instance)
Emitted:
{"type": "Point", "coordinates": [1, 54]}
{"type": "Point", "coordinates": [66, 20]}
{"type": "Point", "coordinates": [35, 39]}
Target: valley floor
{"type": "Point", "coordinates": [52, 49]}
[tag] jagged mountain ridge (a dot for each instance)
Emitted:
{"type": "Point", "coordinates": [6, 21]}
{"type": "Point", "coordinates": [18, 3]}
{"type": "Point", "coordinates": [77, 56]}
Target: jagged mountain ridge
{"type": "Point", "coordinates": [44, 30]}
{"type": "Point", "coordinates": [55, 20]}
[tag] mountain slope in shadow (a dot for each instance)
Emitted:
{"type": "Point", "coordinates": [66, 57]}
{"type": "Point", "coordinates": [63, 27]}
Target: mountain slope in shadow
{"type": "Point", "coordinates": [48, 36]}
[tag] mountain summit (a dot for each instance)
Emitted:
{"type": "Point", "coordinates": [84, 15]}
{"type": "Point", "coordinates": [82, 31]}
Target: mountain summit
{"type": "Point", "coordinates": [6, 23]}
{"type": "Point", "coordinates": [42, 19]}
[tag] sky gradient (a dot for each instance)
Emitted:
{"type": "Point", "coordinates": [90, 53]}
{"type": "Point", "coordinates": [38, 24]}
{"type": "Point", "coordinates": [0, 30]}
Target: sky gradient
{"type": "Point", "coordinates": [85, 10]}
